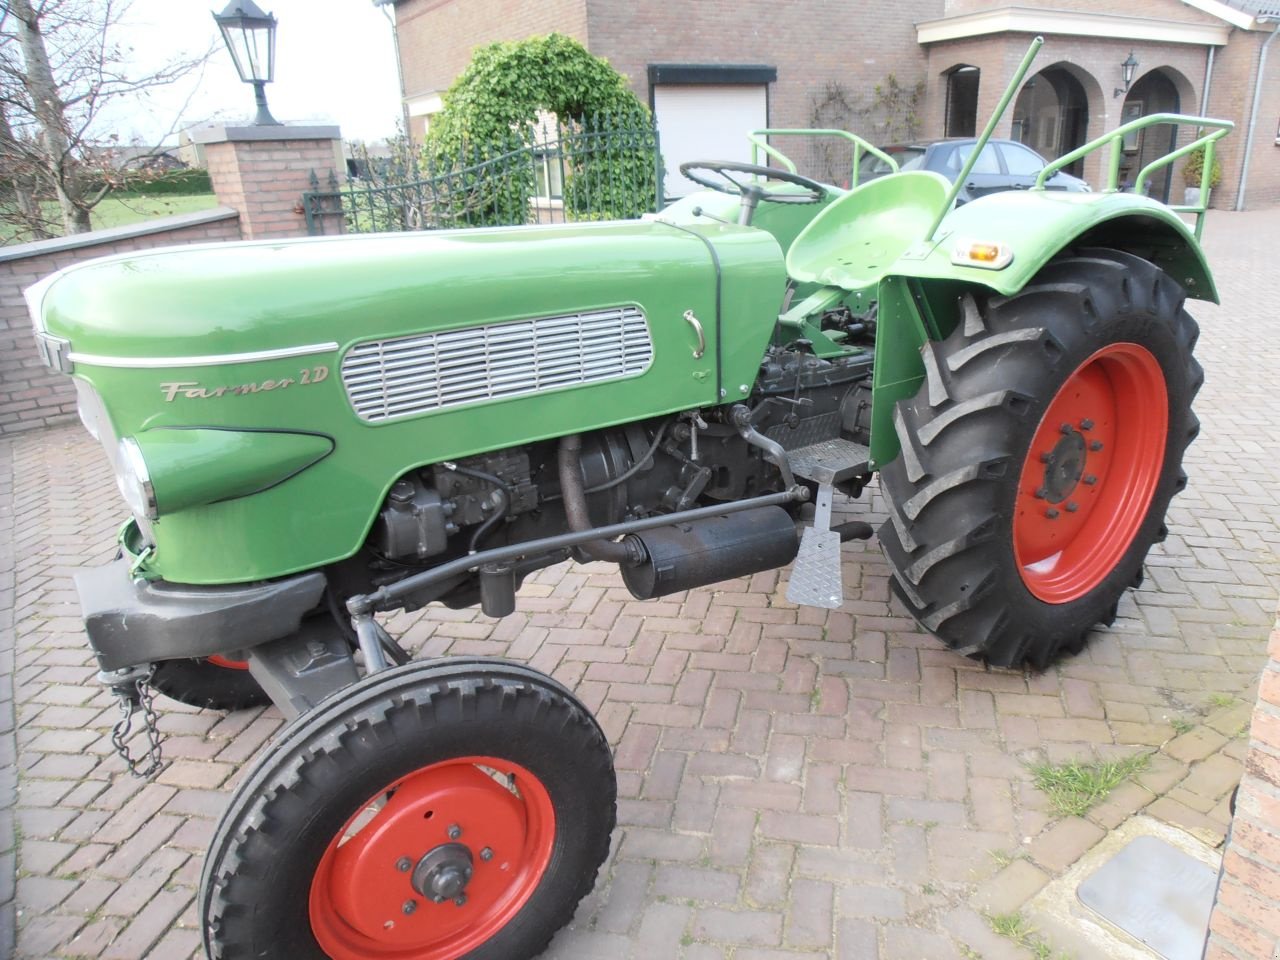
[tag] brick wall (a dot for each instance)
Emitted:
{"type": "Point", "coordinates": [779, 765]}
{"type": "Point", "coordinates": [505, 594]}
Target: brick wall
{"type": "Point", "coordinates": [31, 395]}
{"type": "Point", "coordinates": [437, 37]}
{"type": "Point", "coordinates": [1095, 62]}
{"type": "Point", "coordinates": [1246, 918]}
{"type": "Point", "coordinates": [262, 172]}
{"type": "Point", "coordinates": [810, 42]}
{"type": "Point", "coordinates": [1231, 96]}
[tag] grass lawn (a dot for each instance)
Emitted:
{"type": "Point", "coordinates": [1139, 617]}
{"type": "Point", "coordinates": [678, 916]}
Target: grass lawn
{"type": "Point", "coordinates": [122, 211]}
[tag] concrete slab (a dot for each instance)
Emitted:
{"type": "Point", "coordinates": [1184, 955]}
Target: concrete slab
{"type": "Point", "coordinates": [1071, 926]}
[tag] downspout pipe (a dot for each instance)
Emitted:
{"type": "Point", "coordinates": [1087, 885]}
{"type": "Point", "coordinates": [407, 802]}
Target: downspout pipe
{"type": "Point", "coordinates": [1208, 81]}
{"type": "Point", "coordinates": [1253, 113]}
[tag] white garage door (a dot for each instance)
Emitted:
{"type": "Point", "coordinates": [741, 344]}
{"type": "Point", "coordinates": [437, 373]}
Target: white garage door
{"type": "Point", "coordinates": [706, 122]}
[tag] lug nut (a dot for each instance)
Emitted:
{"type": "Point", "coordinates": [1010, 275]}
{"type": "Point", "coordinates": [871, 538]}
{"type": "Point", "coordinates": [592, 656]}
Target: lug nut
{"type": "Point", "coordinates": [1072, 506]}
{"type": "Point", "coordinates": [460, 900]}
{"type": "Point", "coordinates": [1095, 445]}
{"type": "Point", "coordinates": [1067, 428]}
{"type": "Point", "coordinates": [1090, 479]}
{"type": "Point", "coordinates": [455, 831]}
{"type": "Point", "coordinates": [1041, 493]}
{"type": "Point", "coordinates": [409, 907]}
{"type": "Point", "coordinates": [1086, 424]}
{"type": "Point", "coordinates": [486, 854]}
{"type": "Point", "coordinates": [1052, 514]}
{"type": "Point", "coordinates": [404, 864]}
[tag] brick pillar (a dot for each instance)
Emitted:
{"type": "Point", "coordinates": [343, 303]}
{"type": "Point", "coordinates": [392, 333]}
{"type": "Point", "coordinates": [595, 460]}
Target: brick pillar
{"type": "Point", "coordinates": [262, 172]}
{"type": "Point", "coordinates": [1246, 916]}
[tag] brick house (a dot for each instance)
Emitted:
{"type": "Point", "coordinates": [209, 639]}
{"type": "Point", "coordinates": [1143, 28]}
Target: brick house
{"type": "Point", "coordinates": [711, 71]}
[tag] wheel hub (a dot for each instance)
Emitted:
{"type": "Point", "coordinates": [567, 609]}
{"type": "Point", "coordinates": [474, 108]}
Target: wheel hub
{"type": "Point", "coordinates": [1064, 465]}
{"type": "Point", "coordinates": [443, 873]}
{"type": "Point", "coordinates": [1091, 471]}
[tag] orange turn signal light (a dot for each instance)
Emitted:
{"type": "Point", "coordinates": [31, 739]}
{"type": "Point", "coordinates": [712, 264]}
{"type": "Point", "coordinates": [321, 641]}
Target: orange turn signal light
{"type": "Point", "coordinates": [989, 255]}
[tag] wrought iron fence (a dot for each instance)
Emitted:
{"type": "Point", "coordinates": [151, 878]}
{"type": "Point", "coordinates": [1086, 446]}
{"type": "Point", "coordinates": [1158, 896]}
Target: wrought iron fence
{"type": "Point", "coordinates": [596, 169]}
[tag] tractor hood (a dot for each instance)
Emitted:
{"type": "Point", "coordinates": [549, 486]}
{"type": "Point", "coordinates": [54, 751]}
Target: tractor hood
{"type": "Point", "coordinates": [258, 400]}
{"type": "Point", "coordinates": [226, 299]}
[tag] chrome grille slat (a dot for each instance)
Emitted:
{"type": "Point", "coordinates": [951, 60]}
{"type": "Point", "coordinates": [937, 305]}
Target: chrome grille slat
{"type": "Point", "coordinates": [406, 376]}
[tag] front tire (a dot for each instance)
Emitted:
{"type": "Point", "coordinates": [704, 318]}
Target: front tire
{"type": "Point", "coordinates": [211, 683]}
{"type": "Point", "coordinates": [433, 811]}
{"type": "Point", "coordinates": [1039, 457]}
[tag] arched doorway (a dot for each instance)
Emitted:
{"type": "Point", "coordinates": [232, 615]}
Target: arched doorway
{"type": "Point", "coordinates": [1155, 92]}
{"type": "Point", "coordinates": [962, 101]}
{"type": "Point", "coordinates": [1051, 115]}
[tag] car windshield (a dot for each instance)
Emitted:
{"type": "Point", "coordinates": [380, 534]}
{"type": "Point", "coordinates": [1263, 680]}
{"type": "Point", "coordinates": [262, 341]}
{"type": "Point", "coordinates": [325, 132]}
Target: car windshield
{"type": "Point", "coordinates": [908, 158]}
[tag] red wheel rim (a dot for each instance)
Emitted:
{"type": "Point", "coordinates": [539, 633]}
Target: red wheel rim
{"type": "Point", "coordinates": [228, 663]}
{"type": "Point", "coordinates": [1091, 472]}
{"type": "Point", "coordinates": [497, 811]}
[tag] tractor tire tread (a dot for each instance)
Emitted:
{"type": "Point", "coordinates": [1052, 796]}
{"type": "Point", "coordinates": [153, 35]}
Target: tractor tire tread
{"type": "Point", "coordinates": [948, 532]}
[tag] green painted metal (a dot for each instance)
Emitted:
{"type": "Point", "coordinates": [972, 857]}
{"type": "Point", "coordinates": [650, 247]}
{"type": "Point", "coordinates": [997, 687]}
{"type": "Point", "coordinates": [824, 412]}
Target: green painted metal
{"type": "Point", "coordinates": [1115, 141]}
{"type": "Point", "coordinates": [1036, 225]}
{"type": "Point", "coordinates": [189, 468]}
{"type": "Point", "coordinates": [231, 299]}
{"type": "Point", "coordinates": [760, 144]}
{"type": "Point", "coordinates": [898, 370]}
{"type": "Point", "coordinates": [224, 361]}
{"type": "Point", "coordinates": [855, 241]}
{"type": "Point", "coordinates": [785, 221]}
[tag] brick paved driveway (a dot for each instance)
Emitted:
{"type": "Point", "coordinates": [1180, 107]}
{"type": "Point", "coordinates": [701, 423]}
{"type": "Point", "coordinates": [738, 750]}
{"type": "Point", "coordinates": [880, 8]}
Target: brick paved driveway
{"type": "Point", "coordinates": [794, 783]}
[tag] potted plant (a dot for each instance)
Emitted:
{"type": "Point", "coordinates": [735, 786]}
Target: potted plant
{"type": "Point", "coordinates": [1192, 174]}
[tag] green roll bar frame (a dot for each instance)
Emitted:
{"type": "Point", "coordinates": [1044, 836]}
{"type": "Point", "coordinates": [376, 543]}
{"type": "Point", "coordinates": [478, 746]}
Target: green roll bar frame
{"type": "Point", "coordinates": [860, 146]}
{"type": "Point", "coordinates": [1115, 139]}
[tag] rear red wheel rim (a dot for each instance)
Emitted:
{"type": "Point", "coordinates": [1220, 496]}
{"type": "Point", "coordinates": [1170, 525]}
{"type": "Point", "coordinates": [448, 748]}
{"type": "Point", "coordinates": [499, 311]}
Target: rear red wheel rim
{"type": "Point", "coordinates": [1091, 472]}
{"type": "Point", "coordinates": [228, 663]}
{"type": "Point", "coordinates": [364, 884]}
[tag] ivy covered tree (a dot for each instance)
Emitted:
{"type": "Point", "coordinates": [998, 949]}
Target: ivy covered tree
{"type": "Point", "coordinates": [517, 96]}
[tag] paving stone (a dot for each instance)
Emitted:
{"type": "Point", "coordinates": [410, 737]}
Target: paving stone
{"type": "Point", "coordinates": [794, 782]}
{"type": "Point", "coordinates": [1008, 890]}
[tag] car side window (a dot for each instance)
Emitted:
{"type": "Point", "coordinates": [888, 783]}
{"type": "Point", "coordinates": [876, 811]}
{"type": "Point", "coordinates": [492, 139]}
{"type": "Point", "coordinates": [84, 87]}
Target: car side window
{"type": "Point", "coordinates": [1021, 161]}
{"type": "Point", "coordinates": [988, 162]}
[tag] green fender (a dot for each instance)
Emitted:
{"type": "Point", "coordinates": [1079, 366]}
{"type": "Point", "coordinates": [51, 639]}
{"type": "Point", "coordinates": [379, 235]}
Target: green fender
{"type": "Point", "coordinates": [918, 294]}
{"type": "Point", "coordinates": [1036, 225]}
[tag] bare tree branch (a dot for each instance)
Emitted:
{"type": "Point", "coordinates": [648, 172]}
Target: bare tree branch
{"type": "Point", "coordinates": [61, 68]}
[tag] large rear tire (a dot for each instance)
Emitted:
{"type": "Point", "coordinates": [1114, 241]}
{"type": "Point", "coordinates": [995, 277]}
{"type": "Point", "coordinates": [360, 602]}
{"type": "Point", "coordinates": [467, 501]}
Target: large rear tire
{"type": "Point", "coordinates": [434, 811]}
{"type": "Point", "coordinates": [1039, 457]}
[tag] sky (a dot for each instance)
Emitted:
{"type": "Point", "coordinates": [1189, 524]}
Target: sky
{"type": "Point", "coordinates": [335, 63]}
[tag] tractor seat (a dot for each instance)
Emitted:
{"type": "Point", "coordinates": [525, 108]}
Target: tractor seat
{"type": "Point", "coordinates": [853, 242]}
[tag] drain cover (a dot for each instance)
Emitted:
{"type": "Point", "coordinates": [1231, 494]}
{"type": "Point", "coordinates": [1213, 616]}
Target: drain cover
{"type": "Point", "coordinates": [1157, 894]}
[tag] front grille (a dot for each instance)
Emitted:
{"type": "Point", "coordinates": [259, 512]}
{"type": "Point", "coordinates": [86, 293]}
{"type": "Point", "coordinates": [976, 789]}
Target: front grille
{"type": "Point", "coordinates": [406, 376]}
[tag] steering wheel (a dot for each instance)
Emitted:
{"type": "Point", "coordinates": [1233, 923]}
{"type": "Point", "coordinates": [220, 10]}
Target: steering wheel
{"type": "Point", "coordinates": [815, 191]}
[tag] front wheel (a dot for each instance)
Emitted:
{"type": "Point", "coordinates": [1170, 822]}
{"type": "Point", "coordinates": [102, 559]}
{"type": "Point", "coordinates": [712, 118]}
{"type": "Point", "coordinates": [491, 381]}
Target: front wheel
{"type": "Point", "coordinates": [434, 811]}
{"type": "Point", "coordinates": [1039, 457]}
{"type": "Point", "coordinates": [211, 683]}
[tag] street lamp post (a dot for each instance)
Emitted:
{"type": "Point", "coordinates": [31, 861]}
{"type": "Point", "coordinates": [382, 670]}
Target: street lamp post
{"type": "Point", "coordinates": [250, 36]}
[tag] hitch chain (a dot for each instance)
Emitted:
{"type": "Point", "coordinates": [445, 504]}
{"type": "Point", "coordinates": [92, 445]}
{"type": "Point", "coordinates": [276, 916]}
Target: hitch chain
{"type": "Point", "coordinates": [133, 690]}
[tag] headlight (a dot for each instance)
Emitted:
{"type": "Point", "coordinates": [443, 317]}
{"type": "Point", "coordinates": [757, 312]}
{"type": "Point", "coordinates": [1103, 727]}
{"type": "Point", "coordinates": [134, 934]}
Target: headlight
{"type": "Point", "coordinates": [134, 481]}
{"type": "Point", "coordinates": [93, 414]}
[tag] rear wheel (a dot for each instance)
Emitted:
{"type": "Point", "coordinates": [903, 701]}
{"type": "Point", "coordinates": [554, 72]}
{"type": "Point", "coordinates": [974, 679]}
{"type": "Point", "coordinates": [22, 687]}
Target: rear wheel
{"type": "Point", "coordinates": [1040, 455]}
{"type": "Point", "coordinates": [212, 683]}
{"type": "Point", "coordinates": [433, 811]}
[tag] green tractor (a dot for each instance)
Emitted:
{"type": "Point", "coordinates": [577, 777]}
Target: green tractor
{"type": "Point", "coordinates": [312, 432]}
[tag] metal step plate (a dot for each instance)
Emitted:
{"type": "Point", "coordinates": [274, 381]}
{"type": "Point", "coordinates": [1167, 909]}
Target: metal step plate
{"type": "Point", "coordinates": [830, 461]}
{"type": "Point", "coordinates": [815, 577]}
